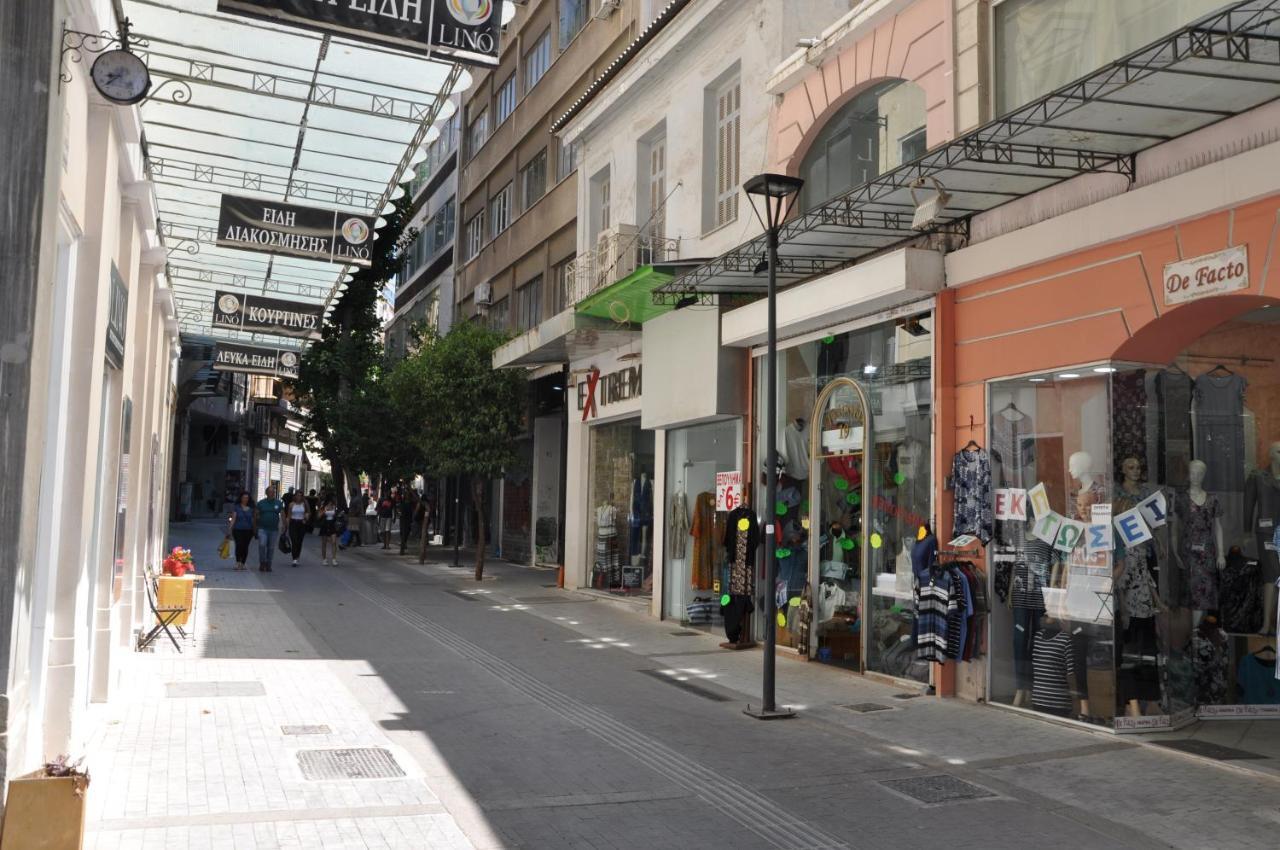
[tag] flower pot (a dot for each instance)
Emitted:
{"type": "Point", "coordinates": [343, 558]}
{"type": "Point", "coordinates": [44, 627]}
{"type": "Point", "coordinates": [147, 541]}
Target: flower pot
{"type": "Point", "coordinates": [44, 812]}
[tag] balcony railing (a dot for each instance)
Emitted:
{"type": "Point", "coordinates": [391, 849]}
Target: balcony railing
{"type": "Point", "coordinates": [618, 252]}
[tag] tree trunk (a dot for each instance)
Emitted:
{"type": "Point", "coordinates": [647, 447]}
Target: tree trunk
{"type": "Point", "coordinates": [340, 485]}
{"type": "Point", "coordinates": [477, 496]}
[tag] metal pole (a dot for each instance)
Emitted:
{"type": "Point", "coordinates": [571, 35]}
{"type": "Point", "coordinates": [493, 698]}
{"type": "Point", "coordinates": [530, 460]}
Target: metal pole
{"type": "Point", "coordinates": [457, 519]}
{"type": "Point", "coordinates": [771, 474]}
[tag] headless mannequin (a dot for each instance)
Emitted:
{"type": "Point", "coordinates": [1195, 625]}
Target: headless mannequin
{"type": "Point", "coordinates": [1262, 521]}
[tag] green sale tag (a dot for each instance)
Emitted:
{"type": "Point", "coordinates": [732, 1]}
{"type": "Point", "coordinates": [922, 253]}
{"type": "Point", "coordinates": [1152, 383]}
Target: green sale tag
{"type": "Point", "coordinates": [724, 600]}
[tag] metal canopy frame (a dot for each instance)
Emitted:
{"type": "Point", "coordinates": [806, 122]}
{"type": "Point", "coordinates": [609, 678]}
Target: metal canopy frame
{"type": "Point", "coordinates": [258, 109]}
{"type": "Point", "coordinates": [1224, 64]}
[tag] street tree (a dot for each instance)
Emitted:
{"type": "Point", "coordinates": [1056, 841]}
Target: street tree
{"type": "Point", "coordinates": [465, 414]}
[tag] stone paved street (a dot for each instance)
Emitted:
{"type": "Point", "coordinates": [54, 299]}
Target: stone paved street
{"type": "Point", "coordinates": [525, 716]}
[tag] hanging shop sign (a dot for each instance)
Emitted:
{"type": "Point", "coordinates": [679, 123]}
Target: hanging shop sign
{"type": "Point", "coordinates": [1211, 274]}
{"type": "Point", "coordinates": [272, 227]}
{"type": "Point", "coordinates": [465, 30]}
{"type": "Point", "coordinates": [728, 490]}
{"type": "Point", "coordinates": [241, 312]}
{"type": "Point", "coordinates": [599, 390]}
{"type": "Point", "coordinates": [255, 360]}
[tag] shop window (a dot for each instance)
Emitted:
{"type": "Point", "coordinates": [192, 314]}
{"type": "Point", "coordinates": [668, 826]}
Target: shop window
{"type": "Point", "coordinates": [695, 559]}
{"type": "Point", "coordinates": [820, 502]}
{"type": "Point", "coordinates": [880, 129]}
{"type": "Point", "coordinates": [1041, 45]}
{"type": "Point", "coordinates": [621, 464]}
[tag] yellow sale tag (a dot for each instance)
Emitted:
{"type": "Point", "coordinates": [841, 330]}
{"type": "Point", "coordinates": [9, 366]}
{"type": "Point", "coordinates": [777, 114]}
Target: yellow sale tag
{"type": "Point", "coordinates": [876, 541]}
{"type": "Point", "coordinates": [744, 524]}
{"type": "Point", "coordinates": [782, 620]}
{"type": "Point", "coordinates": [922, 533]}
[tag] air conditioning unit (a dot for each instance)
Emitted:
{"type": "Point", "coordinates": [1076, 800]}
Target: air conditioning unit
{"type": "Point", "coordinates": [605, 8]}
{"type": "Point", "coordinates": [484, 294]}
{"type": "Point", "coordinates": [615, 254]}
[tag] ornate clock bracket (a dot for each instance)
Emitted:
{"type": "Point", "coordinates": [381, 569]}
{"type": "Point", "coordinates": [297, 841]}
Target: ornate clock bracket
{"type": "Point", "coordinates": [76, 43]}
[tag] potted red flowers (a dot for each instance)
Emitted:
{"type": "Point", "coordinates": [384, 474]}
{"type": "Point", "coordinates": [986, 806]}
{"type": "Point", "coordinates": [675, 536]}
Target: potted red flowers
{"type": "Point", "coordinates": [178, 563]}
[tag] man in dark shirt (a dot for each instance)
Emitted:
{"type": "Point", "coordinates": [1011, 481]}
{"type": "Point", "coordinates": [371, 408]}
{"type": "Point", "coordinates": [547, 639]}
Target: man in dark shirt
{"type": "Point", "coordinates": [408, 511]}
{"type": "Point", "coordinates": [386, 510]}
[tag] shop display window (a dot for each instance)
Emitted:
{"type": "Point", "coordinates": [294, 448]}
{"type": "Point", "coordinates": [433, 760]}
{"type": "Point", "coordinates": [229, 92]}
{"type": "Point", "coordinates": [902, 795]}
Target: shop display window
{"type": "Point", "coordinates": [824, 597]}
{"type": "Point", "coordinates": [621, 500]}
{"type": "Point", "coordinates": [1165, 609]}
{"type": "Point", "coordinates": [695, 530]}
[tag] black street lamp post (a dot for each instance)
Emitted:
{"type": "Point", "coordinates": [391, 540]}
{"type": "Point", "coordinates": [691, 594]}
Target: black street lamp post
{"type": "Point", "coordinates": [777, 193]}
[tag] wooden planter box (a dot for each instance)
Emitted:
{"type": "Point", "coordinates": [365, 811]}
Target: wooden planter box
{"type": "Point", "coordinates": [44, 812]}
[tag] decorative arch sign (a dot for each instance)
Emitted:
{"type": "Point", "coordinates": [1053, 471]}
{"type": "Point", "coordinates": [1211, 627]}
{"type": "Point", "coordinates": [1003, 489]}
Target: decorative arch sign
{"type": "Point", "coordinates": [1211, 274]}
{"type": "Point", "coordinates": [466, 31]}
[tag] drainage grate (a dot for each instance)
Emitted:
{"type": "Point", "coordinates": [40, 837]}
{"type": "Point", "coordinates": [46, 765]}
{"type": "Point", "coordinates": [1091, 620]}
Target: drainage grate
{"type": "Point", "coordinates": [306, 730]}
{"type": "Point", "coordinates": [867, 707]}
{"type": "Point", "coordinates": [686, 633]}
{"type": "Point", "coordinates": [937, 789]}
{"type": "Point", "coordinates": [688, 687]}
{"type": "Point", "coordinates": [1211, 750]}
{"type": "Point", "coordinates": [366, 763]}
{"type": "Point", "coordinates": [907, 696]}
{"type": "Point", "coordinates": [214, 689]}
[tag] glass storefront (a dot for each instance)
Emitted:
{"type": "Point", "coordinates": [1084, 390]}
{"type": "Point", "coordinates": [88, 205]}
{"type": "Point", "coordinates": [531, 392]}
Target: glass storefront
{"type": "Point", "coordinates": [1143, 593]}
{"type": "Point", "coordinates": [695, 530]}
{"type": "Point", "coordinates": [621, 500]}
{"type": "Point", "coordinates": [823, 595]}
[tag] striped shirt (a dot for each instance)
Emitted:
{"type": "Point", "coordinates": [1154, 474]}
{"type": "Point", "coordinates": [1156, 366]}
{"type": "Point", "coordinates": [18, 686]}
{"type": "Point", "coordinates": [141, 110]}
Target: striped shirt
{"type": "Point", "coordinates": [935, 602]}
{"type": "Point", "coordinates": [1052, 663]}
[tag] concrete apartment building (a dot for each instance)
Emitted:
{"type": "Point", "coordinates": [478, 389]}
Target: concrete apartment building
{"type": "Point", "coordinates": [517, 231]}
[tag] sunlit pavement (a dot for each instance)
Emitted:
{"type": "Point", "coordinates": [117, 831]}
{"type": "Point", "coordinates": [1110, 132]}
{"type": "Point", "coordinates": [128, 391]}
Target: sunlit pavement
{"type": "Point", "coordinates": [512, 714]}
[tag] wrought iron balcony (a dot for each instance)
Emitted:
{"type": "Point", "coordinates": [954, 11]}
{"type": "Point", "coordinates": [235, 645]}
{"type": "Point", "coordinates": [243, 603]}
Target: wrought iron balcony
{"type": "Point", "coordinates": [619, 252]}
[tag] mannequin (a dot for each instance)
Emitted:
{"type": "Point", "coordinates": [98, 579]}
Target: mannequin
{"type": "Point", "coordinates": [742, 535]}
{"type": "Point", "coordinates": [1262, 517]}
{"type": "Point", "coordinates": [1200, 539]}
{"type": "Point", "coordinates": [640, 517]}
{"type": "Point", "coordinates": [1136, 570]}
{"type": "Point", "coordinates": [1090, 492]}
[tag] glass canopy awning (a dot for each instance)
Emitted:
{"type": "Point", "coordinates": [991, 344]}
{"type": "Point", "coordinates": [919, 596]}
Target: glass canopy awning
{"type": "Point", "coordinates": [248, 107]}
{"type": "Point", "coordinates": [1224, 64]}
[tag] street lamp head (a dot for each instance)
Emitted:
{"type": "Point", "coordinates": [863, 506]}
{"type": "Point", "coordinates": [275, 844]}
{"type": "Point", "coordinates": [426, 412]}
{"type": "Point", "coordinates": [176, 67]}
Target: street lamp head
{"type": "Point", "coordinates": [773, 185]}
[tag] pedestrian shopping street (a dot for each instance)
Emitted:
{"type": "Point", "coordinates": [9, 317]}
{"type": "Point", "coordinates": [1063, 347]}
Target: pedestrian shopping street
{"type": "Point", "coordinates": [518, 715]}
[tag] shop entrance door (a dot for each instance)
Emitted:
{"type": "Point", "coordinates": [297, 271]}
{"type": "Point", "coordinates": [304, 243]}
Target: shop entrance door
{"type": "Point", "coordinates": [840, 441]}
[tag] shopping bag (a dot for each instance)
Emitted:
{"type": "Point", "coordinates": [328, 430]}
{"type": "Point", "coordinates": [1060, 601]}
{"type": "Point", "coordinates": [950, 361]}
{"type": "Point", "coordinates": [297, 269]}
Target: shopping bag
{"type": "Point", "coordinates": [345, 540]}
{"type": "Point", "coordinates": [224, 550]}
{"type": "Point", "coordinates": [285, 545]}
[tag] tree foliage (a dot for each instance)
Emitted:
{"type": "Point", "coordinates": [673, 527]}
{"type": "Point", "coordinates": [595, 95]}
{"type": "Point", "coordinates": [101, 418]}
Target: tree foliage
{"type": "Point", "coordinates": [341, 383]}
{"type": "Point", "coordinates": [465, 414]}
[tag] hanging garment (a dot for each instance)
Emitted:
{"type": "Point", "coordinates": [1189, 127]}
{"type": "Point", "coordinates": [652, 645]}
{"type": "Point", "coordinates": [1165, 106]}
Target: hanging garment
{"type": "Point", "coordinates": [740, 545]}
{"type": "Point", "coordinates": [1198, 548]}
{"type": "Point", "coordinates": [1239, 594]}
{"type": "Point", "coordinates": [1219, 430]}
{"type": "Point", "coordinates": [1128, 415]}
{"type": "Point", "coordinates": [1173, 443]}
{"type": "Point", "coordinates": [832, 598]}
{"type": "Point", "coordinates": [971, 479]}
{"type": "Point", "coordinates": [1053, 665]}
{"type": "Point", "coordinates": [804, 621]}
{"type": "Point", "coordinates": [958, 619]}
{"type": "Point", "coordinates": [1209, 654]}
{"type": "Point", "coordinates": [679, 525]}
{"type": "Point", "coordinates": [1013, 456]}
{"type": "Point", "coordinates": [736, 614]}
{"type": "Point", "coordinates": [795, 442]}
{"type": "Point", "coordinates": [1262, 518]}
{"type": "Point", "coordinates": [707, 530]}
{"type": "Point", "coordinates": [935, 601]}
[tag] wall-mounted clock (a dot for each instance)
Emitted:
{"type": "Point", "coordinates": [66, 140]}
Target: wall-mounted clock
{"type": "Point", "coordinates": [121, 76]}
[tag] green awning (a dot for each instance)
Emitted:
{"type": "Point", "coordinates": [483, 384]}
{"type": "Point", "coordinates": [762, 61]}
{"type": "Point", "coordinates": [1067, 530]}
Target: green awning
{"type": "Point", "coordinates": [630, 300]}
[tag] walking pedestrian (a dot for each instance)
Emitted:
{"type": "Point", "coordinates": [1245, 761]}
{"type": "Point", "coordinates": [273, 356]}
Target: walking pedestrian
{"type": "Point", "coordinates": [329, 531]}
{"type": "Point", "coordinates": [369, 522]}
{"type": "Point", "coordinates": [299, 516]}
{"type": "Point", "coordinates": [313, 505]}
{"type": "Point", "coordinates": [266, 518]}
{"type": "Point", "coordinates": [408, 512]}
{"type": "Point", "coordinates": [240, 528]}
{"type": "Point", "coordinates": [386, 512]}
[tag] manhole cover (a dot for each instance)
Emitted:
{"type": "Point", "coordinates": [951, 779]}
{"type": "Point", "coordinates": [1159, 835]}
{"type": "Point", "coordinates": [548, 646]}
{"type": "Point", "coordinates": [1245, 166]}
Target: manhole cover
{"type": "Point", "coordinates": [305, 730]}
{"type": "Point", "coordinates": [867, 707]}
{"type": "Point", "coordinates": [365, 763]}
{"type": "Point", "coordinates": [937, 789]}
{"type": "Point", "coordinates": [685, 633]}
{"type": "Point", "coordinates": [214, 689]}
{"type": "Point", "coordinates": [1210, 750]}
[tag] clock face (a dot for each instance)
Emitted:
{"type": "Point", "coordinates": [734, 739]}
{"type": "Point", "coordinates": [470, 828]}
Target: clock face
{"type": "Point", "coordinates": [121, 76]}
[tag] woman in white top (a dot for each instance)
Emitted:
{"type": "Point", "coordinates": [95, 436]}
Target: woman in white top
{"type": "Point", "coordinates": [299, 521]}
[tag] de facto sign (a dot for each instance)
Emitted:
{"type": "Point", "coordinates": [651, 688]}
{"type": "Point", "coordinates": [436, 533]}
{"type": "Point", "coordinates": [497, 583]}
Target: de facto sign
{"type": "Point", "coordinates": [1212, 274]}
{"type": "Point", "coordinates": [272, 227]}
{"type": "Point", "coordinates": [464, 30]}
{"type": "Point", "coordinates": [255, 360]}
{"type": "Point", "coordinates": [254, 313]}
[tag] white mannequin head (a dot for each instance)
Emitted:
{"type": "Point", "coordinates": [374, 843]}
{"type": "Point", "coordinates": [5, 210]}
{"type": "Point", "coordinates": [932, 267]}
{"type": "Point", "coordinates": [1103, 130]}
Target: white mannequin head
{"type": "Point", "coordinates": [1195, 474]}
{"type": "Point", "coordinates": [1131, 469]}
{"type": "Point", "coordinates": [1080, 465]}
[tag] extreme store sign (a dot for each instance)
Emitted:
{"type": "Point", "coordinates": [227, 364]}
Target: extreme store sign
{"type": "Point", "coordinates": [600, 390]}
{"type": "Point", "coordinates": [272, 227]}
{"type": "Point", "coordinates": [1212, 274]}
{"type": "Point", "coordinates": [255, 313]}
{"type": "Point", "coordinates": [255, 360]}
{"type": "Point", "coordinates": [466, 30]}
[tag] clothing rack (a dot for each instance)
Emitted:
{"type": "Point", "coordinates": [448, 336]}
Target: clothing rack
{"type": "Point", "coordinates": [1243, 361]}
